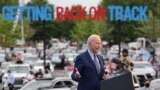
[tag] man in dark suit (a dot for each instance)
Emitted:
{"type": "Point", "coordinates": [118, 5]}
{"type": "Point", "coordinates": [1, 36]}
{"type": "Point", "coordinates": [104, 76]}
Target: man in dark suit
{"type": "Point", "coordinates": [89, 66]}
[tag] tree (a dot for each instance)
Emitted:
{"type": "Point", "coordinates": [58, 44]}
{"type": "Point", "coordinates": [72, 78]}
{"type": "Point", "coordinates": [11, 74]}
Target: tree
{"type": "Point", "coordinates": [53, 28]}
{"type": "Point", "coordinates": [7, 3]}
{"type": "Point", "coordinates": [8, 37]}
{"type": "Point", "coordinates": [130, 30]}
{"type": "Point", "coordinates": [83, 29]}
{"type": "Point", "coordinates": [147, 27]}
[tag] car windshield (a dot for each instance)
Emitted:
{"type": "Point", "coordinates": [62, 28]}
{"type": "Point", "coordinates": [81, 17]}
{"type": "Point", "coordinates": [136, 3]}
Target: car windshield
{"type": "Point", "coordinates": [2, 58]}
{"type": "Point", "coordinates": [36, 85]}
{"type": "Point", "coordinates": [4, 65]}
{"type": "Point", "coordinates": [30, 59]}
{"type": "Point", "coordinates": [19, 69]}
{"type": "Point", "coordinates": [142, 65]}
{"type": "Point", "coordinates": [40, 63]}
{"type": "Point", "coordinates": [31, 50]}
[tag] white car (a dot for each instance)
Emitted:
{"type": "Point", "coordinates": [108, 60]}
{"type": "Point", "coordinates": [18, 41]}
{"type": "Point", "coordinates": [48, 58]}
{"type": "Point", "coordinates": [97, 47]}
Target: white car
{"type": "Point", "coordinates": [112, 54]}
{"type": "Point", "coordinates": [40, 65]}
{"type": "Point", "coordinates": [50, 84]}
{"type": "Point", "coordinates": [19, 71]}
{"type": "Point", "coordinates": [70, 57]}
{"type": "Point", "coordinates": [155, 84]}
{"type": "Point", "coordinates": [3, 68]}
{"type": "Point", "coordinates": [61, 83]}
{"type": "Point", "coordinates": [139, 79]}
{"type": "Point", "coordinates": [29, 59]}
{"type": "Point", "coordinates": [36, 84]}
{"type": "Point", "coordinates": [56, 59]}
{"type": "Point", "coordinates": [2, 57]}
{"type": "Point", "coordinates": [143, 67]}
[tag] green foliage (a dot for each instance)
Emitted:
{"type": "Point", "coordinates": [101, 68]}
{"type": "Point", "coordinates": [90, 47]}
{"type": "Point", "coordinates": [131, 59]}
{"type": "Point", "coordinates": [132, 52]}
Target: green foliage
{"type": "Point", "coordinates": [83, 29]}
{"type": "Point", "coordinates": [52, 28]}
{"type": "Point", "coordinates": [38, 2]}
{"type": "Point", "coordinates": [7, 3]}
{"type": "Point", "coordinates": [131, 30]}
{"type": "Point", "coordinates": [7, 37]}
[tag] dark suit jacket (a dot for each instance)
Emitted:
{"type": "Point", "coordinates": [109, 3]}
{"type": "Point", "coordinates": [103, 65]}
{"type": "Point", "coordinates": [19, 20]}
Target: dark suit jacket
{"type": "Point", "coordinates": [90, 79]}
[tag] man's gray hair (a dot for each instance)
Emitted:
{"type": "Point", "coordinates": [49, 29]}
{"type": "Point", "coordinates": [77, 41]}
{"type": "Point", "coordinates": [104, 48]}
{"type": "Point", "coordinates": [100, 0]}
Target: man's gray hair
{"type": "Point", "coordinates": [91, 38]}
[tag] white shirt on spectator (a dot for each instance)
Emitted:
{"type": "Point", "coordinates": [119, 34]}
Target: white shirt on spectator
{"type": "Point", "coordinates": [10, 78]}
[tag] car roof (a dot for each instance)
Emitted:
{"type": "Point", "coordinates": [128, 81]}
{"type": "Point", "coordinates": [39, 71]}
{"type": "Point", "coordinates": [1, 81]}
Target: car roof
{"type": "Point", "coordinates": [19, 65]}
{"type": "Point", "coordinates": [140, 62]}
{"type": "Point", "coordinates": [42, 61]}
{"type": "Point", "coordinates": [62, 79]}
{"type": "Point", "coordinates": [155, 80]}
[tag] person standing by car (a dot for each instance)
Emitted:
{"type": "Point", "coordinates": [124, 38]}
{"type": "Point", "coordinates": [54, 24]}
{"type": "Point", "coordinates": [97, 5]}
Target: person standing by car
{"type": "Point", "coordinates": [89, 66]}
{"type": "Point", "coordinates": [10, 80]}
{"type": "Point", "coordinates": [29, 77]}
{"type": "Point", "coordinates": [147, 86]}
{"type": "Point", "coordinates": [126, 60]}
{"type": "Point", "coordinates": [47, 66]}
{"type": "Point", "coordinates": [62, 56]}
{"type": "Point", "coordinates": [70, 68]}
{"type": "Point", "coordinates": [39, 74]}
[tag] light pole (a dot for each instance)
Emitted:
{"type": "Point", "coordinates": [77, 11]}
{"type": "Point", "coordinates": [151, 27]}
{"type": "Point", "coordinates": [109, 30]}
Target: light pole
{"type": "Point", "coordinates": [44, 44]}
{"type": "Point", "coordinates": [119, 37]}
{"type": "Point", "coordinates": [153, 23]}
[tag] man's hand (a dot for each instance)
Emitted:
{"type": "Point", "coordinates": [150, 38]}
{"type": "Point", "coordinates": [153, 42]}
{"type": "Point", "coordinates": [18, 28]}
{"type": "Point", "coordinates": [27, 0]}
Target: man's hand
{"type": "Point", "coordinates": [105, 76]}
{"type": "Point", "coordinates": [78, 75]}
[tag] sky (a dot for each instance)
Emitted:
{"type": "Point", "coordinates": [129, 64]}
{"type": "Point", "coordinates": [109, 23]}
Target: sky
{"type": "Point", "coordinates": [64, 3]}
{"type": "Point", "coordinates": [87, 3]}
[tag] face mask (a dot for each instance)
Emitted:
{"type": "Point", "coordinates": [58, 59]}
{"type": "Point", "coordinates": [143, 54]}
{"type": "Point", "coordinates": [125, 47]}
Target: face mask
{"type": "Point", "coordinates": [124, 55]}
{"type": "Point", "coordinates": [147, 85]}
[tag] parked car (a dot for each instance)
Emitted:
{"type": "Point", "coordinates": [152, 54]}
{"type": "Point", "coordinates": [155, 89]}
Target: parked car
{"type": "Point", "coordinates": [61, 83]}
{"type": "Point", "coordinates": [19, 71]}
{"type": "Point", "coordinates": [29, 59]}
{"type": "Point", "coordinates": [40, 65]}
{"type": "Point", "coordinates": [143, 67]}
{"type": "Point", "coordinates": [139, 78]}
{"type": "Point", "coordinates": [3, 68]}
{"type": "Point", "coordinates": [2, 58]}
{"type": "Point", "coordinates": [155, 84]}
{"type": "Point", "coordinates": [36, 84]}
{"type": "Point", "coordinates": [56, 59]}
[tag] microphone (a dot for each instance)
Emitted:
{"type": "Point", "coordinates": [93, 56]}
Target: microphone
{"type": "Point", "coordinates": [118, 63]}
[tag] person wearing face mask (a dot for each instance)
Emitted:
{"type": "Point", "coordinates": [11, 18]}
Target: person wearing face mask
{"type": "Point", "coordinates": [126, 60]}
{"type": "Point", "coordinates": [147, 86]}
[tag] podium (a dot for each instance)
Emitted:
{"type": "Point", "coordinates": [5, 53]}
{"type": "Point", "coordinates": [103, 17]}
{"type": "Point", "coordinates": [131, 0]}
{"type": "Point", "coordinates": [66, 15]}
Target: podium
{"type": "Point", "coordinates": [119, 82]}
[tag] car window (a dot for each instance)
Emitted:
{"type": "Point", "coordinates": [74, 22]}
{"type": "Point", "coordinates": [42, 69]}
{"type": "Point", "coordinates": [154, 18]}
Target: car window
{"type": "Point", "coordinates": [19, 69]}
{"type": "Point", "coordinates": [141, 79]}
{"type": "Point", "coordinates": [142, 65]}
{"type": "Point", "coordinates": [68, 83]}
{"type": "Point", "coordinates": [149, 76]}
{"type": "Point", "coordinates": [58, 85]}
{"type": "Point", "coordinates": [134, 78]}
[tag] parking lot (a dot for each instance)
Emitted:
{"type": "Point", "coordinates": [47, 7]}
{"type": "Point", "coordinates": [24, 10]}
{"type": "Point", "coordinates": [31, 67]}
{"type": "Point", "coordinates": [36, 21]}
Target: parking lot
{"type": "Point", "coordinates": [58, 73]}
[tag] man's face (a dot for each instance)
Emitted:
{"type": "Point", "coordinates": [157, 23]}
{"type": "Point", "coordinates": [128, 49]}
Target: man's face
{"type": "Point", "coordinates": [95, 45]}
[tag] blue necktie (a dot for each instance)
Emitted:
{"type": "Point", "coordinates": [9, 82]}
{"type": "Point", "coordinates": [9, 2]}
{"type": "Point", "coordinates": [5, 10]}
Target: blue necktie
{"type": "Point", "coordinates": [96, 62]}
